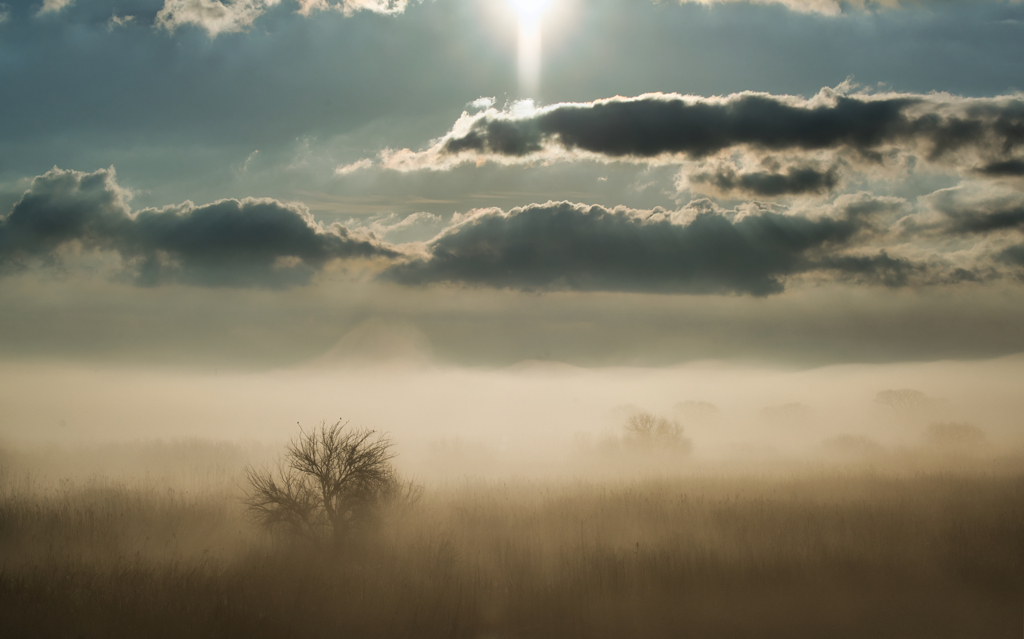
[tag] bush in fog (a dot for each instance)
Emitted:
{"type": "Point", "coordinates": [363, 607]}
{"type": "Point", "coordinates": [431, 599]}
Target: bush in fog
{"type": "Point", "coordinates": [333, 481]}
{"type": "Point", "coordinates": [954, 434]}
{"type": "Point", "coordinates": [904, 401]}
{"type": "Point", "coordinates": [644, 430]}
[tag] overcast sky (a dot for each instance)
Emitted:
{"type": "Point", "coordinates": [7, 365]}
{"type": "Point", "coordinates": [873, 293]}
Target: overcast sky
{"type": "Point", "coordinates": [243, 184]}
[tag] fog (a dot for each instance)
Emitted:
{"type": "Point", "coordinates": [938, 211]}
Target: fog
{"type": "Point", "coordinates": [883, 500]}
{"type": "Point", "coordinates": [533, 418]}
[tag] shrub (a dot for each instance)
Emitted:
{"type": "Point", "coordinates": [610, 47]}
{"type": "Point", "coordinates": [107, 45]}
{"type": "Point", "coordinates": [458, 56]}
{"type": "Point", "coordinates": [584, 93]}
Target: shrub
{"type": "Point", "coordinates": [333, 481]}
{"type": "Point", "coordinates": [649, 431]}
{"type": "Point", "coordinates": [904, 401]}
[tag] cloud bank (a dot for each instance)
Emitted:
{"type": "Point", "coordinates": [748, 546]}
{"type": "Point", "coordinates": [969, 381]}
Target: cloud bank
{"type": "Point", "coordinates": [700, 249]}
{"type": "Point", "coordinates": [725, 179]}
{"type": "Point", "coordinates": [248, 242]}
{"type": "Point", "coordinates": [970, 233]}
{"type": "Point", "coordinates": [972, 136]}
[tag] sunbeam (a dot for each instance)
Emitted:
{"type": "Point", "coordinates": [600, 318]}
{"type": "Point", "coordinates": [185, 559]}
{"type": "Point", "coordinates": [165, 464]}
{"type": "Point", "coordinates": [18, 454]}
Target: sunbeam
{"type": "Point", "coordinates": [530, 13]}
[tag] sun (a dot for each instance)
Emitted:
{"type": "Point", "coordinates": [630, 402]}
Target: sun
{"type": "Point", "coordinates": [529, 10]}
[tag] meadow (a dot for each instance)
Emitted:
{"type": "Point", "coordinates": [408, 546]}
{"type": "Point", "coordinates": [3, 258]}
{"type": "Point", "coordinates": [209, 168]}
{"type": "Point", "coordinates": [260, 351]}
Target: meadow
{"type": "Point", "coordinates": [818, 551]}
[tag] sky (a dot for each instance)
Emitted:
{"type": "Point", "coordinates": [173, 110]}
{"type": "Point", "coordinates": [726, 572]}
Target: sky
{"type": "Point", "coordinates": [263, 184]}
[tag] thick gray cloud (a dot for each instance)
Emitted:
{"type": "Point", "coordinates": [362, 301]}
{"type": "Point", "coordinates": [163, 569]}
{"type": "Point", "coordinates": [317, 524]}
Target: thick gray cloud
{"type": "Point", "coordinates": [1013, 255]}
{"type": "Point", "coordinates": [578, 247]}
{"type": "Point", "coordinates": [248, 242]}
{"type": "Point", "coordinates": [985, 222]}
{"type": "Point", "coordinates": [970, 210]}
{"type": "Point", "coordinates": [1005, 168]}
{"type": "Point", "coordinates": [654, 125]}
{"type": "Point", "coordinates": [753, 249]}
{"type": "Point", "coordinates": [662, 126]}
{"type": "Point", "coordinates": [794, 181]}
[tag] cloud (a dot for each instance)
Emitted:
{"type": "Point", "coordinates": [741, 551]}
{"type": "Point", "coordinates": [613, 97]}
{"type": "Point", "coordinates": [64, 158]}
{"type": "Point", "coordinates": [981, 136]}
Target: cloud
{"type": "Point", "coordinates": [53, 6]}
{"type": "Point", "coordinates": [248, 242]}
{"type": "Point", "coordinates": [972, 209]}
{"type": "Point", "coordinates": [358, 165]}
{"type": "Point", "coordinates": [823, 7]}
{"type": "Point", "coordinates": [119, 21]}
{"type": "Point", "coordinates": [218, 17]}
{"type": "Point", "coordinates": [398, 230]}
{"type": "Point", "coordinates": [1013, 255]}
{"type": "Point", "coordinates": [212, 15]}
{"type": "Point", "coordinates": [350, 7]}
{"type": "Point", "coordinates": [481, 103]}
{"type": "Point", "coordinates": [984, 222]}
{"type": "Point", "coordinates": [1005, 168]}
{"type": "Point", "coordinates": [670, 128]}
{"type": "Point", "coordinates": [699, 249]}
{"type": "Point", "coordinates": [755, 248]}
{"type": "Point", "coordinates": [793, 181]}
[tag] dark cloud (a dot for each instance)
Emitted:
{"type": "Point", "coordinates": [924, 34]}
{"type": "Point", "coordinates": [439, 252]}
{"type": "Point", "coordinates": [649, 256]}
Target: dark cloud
{"type": "Point", "coordinates": [795, 181]}
{"type": "Point", "coordinates": [62, 206]}
{"type": "Point", "coordinates": [878, 269]}
{"type": "Point", "coordinates": [659, 125]}
{"type": "Point", "coordinates": [249, 242]}
{"type": "Point", "coordinates": [1007, 168]}
{"type": "Point", "coordinates": [1013, 255]}
{"type": "Point", "coordinates": [653, 125]}
{"type": "Point", "coordinates": [591, 248]}
{"type": "Point", "coordinates": [973, 210]}
{"type": "Point", "coordinates": [986, 222]}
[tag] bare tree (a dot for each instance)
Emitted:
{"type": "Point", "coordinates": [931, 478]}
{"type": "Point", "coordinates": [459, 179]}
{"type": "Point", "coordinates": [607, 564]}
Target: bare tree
{"type": "Point", "coordinates": [333, 480]}
{"type": "Point", "coordinates": [903, 401]}
{"type": "Point", "coordinates": [644, 429]}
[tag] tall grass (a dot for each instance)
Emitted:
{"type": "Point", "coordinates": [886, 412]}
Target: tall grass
{"type": "Point", "coordinates": [814, 554]}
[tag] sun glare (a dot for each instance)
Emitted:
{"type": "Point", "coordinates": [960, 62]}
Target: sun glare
{"type": "Point", "coordinates": [530, 12]}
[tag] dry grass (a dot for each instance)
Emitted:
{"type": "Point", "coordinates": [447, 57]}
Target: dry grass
{"type": "Point", "coordinates": [813, 554]}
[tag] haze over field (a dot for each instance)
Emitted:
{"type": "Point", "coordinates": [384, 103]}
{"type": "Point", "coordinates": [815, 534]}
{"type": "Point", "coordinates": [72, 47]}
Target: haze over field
{"type": "Point", "coordinates": [524, 420]}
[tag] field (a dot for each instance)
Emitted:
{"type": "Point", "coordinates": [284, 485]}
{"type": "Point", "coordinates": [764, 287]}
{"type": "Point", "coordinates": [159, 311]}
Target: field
{"type": "Point", "coordinates": [812, 552]}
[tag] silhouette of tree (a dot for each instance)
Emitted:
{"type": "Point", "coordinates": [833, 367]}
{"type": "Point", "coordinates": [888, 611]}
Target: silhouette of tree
{"type": "Point", "coordinates": [903, 401]}
{"type": "Point", "coordinates": [332, 481]}
{"type": "Point", "coordinates": [646, 430]}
